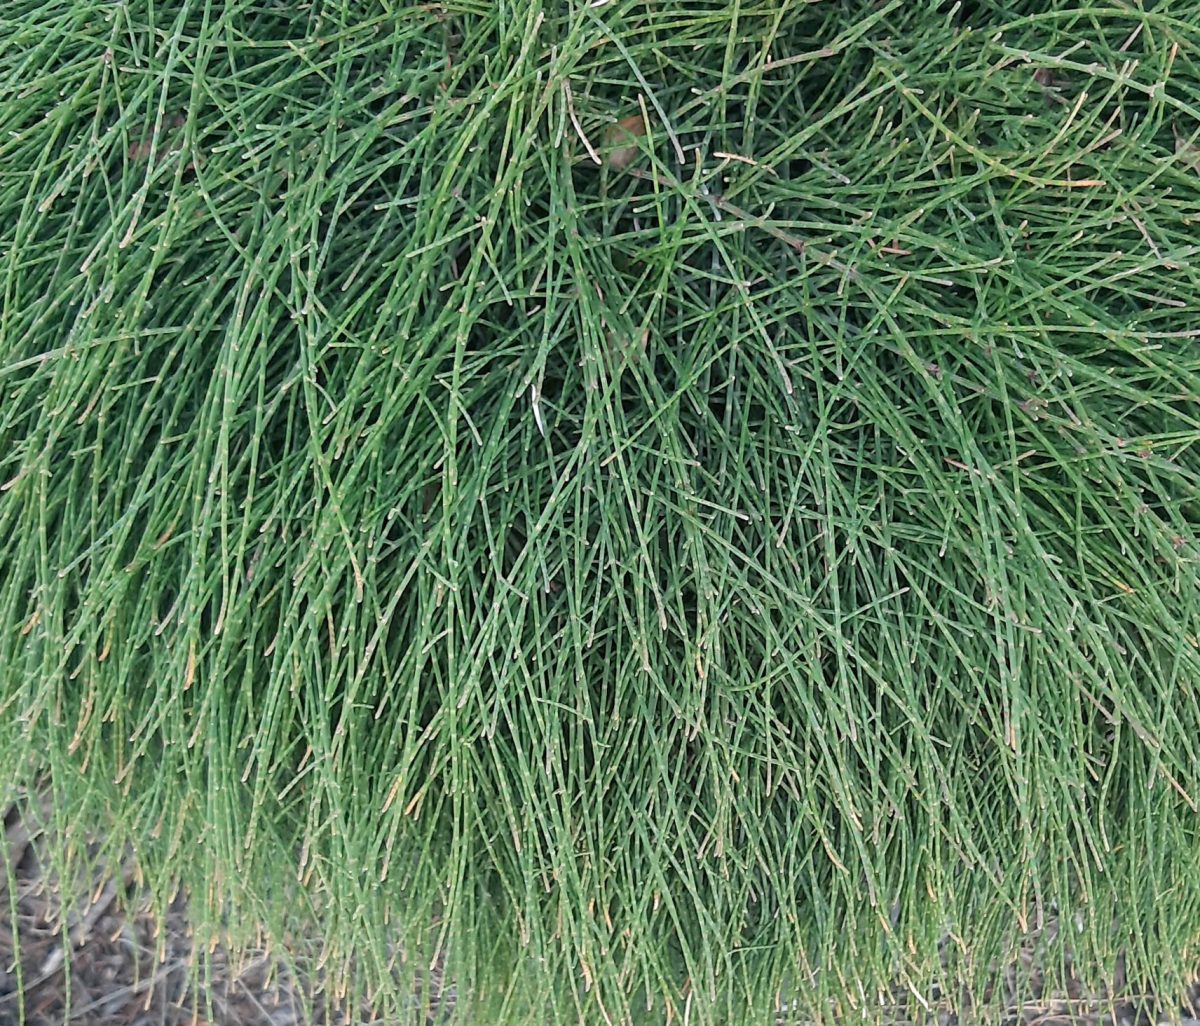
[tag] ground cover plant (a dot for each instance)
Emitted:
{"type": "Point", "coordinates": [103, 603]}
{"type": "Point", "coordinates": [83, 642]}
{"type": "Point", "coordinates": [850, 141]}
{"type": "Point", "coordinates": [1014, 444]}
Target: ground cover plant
{"type": "Point", "coordinates": [662, 511]}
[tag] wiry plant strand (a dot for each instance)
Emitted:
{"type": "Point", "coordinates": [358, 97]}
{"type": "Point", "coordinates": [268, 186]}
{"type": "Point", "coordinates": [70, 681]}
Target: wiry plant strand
{"type": "Point", "coordinates": [752, 570]}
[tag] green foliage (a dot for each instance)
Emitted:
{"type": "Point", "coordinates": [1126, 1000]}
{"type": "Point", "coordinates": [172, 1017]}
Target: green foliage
{"type": "Point", "coordinates": [677, 580]}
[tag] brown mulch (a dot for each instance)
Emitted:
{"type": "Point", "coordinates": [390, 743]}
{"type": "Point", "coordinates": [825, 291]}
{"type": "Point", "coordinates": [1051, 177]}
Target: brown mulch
{"type": "Point", "coordinates": [115, 964]}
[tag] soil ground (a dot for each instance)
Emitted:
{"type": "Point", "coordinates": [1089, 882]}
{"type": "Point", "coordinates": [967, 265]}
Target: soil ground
{"type": "Point", "coordinates": [125, 969]}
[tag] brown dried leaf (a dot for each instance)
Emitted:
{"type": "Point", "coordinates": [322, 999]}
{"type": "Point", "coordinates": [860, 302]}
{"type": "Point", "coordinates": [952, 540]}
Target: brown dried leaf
{"type": "Point", "coordinates": [620, 145]}
{"type": "Point", "coordinates": [626, 348]}
{"type": "Point", "coordinates": [140, 151]}
{"type": "Point", "coordinates": [1187, 151]}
